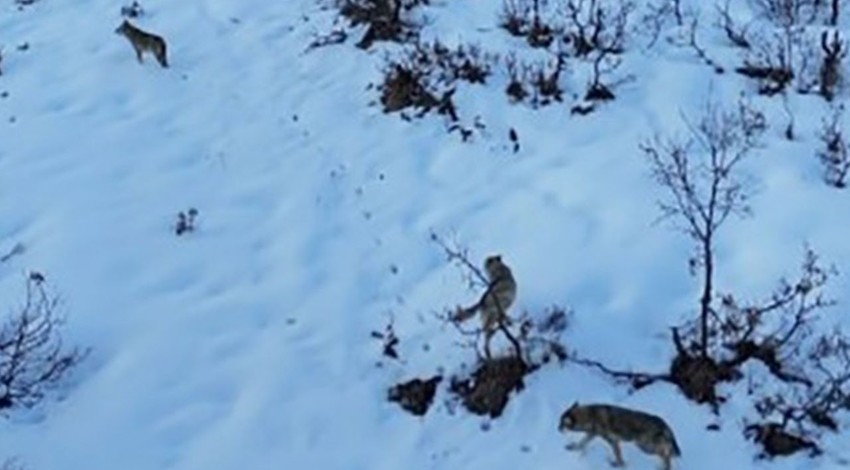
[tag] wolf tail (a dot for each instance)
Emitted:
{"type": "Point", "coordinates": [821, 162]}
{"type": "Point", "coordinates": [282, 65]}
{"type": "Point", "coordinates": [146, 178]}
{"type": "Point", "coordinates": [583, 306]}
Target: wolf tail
{"type": "Point", "coordinates": [463, 314]}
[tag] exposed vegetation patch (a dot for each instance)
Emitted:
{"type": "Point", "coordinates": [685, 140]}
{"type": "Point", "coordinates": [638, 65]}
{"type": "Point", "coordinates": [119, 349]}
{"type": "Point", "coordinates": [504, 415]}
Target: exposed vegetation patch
{"type": "Point", "coordinates": [488, 389]}
{"type": "Point", "coordinates": [384, 20]}
{"type": "Point", "coordinates": [415, 396]}
{"type": "Point", "coordinates": [426, 76]}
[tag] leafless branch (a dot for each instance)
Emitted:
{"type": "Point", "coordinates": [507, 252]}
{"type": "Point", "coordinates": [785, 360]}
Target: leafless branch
{"type": "Point", "coordinates": [737, 35]}
{"type": "Point", "coordinates": [636, 380]}
{"type": "Point", "coordinates": [33, 357]}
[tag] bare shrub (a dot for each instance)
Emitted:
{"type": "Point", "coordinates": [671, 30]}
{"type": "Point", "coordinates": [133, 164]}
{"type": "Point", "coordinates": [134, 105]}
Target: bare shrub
{"type": "Point", "coordinates": [736, 34]}
{"type": "Point", "coordinates": [705, 190]}
{"type": "Point", "coordinates": [834, 12]}
{"type": "Point", "coordinates": [597, 25]}
{"type": "Point", "coordinates": [517, 89]}
{"type": "Point", "coordinates": [385, 20]}
{"type": "Point", "coordinates": [658, 14]}
{"type": "Point", "coordinates": [787, 13]}
{"type": "Point", "coordinates": [834, 155]}
{"type": "Point", "coordinates": [424, 78]}
{"type": "Point", "coordinates": [597, 31]}
{"type": "Point", "coordinates": [814, 362]}
{"type": "Point", "coordinates": [407, 87]}
{"type": "Point", "coordinates": [546, 82]}
{"type": "Point", "coordinates": [690, 40]}
{"type": "Point", "coordinates": [808, 63]}
{"type": "Point", "coordinates": [33, 357]}
{"type": "Point", "coordinates": [186, 222]}
{"type": "Point", "coordinates": [702, 177]}
{"type": "Point", "coordinates": [133, 10]}
{"type": "Point", "coordinates": [834, 50]}
{"type": "Point", "coordinates": [791, 54]}
{"type": "Point", "coordinates": [527, 18]}
{"type": "Point", "coordinates": [537, 83]}
{"type": "Point", "coordinates": [770, 60]}
{"type": "Point", "coordinates": [514, 16]}
{"type": "Point", "coordinates": [603, 64]}
{"type": "Point", "coordinates": [541, 337]}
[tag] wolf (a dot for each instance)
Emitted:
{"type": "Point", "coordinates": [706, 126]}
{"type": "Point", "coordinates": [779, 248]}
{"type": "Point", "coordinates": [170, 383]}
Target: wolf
{"type": "Point", "coordinates": [494, 303]}
{"type": "Point", "coordinates": [616, 424]}
{"type": "Point", "coordinates": [144, 41]}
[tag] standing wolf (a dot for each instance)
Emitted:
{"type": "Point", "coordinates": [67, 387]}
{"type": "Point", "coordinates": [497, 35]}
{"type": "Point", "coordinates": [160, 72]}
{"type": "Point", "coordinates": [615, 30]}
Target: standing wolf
{"type": "Point", "coordinates": [144, 41]}
{"type": "Point", "coordinates": [615, 424]}
{"type": "Point", "coordinates": [497, 299]}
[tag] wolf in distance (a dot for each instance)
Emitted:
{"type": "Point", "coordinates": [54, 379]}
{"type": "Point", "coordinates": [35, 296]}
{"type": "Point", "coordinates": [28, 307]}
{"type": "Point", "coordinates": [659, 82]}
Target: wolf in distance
{"type": "Point", "coordinates": [616, 424]}
{"type": "Point", "coordinates": [144, 41]}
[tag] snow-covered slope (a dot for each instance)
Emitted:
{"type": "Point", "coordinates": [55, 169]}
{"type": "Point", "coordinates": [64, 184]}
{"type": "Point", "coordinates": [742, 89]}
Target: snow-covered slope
{"type": "Point", "coordinates": [246, 345]}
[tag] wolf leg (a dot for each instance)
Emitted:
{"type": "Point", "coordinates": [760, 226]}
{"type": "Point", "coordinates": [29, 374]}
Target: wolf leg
{"type": "Point", "coordinates": [618, 454]}
{"type": "Point", "coordinates": [582, 444]}
{"type": "Point", "coordinates": [488, 334]}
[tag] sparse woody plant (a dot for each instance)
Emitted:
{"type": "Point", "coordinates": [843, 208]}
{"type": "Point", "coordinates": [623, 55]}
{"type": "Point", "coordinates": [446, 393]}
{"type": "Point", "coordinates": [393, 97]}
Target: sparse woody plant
{"type": "Point", "coordinates": [771, 60]}
{"type": "Point", "coordinates": [834, 51]}
{"type": "Point", "coordinates": [706, 188]}
{"type": "Point", "coordinates": [33, 357]}
{"type": "Point", "coordinates": [425, 76]}
{"type": "Point", "coordinates": [186, 222]}
{"type": "Point", "coordinates": [834, 155]}
{"type": "Point", "coordinates": [385, 20]}
{"type": "Point", "coordinates": [530, 19]}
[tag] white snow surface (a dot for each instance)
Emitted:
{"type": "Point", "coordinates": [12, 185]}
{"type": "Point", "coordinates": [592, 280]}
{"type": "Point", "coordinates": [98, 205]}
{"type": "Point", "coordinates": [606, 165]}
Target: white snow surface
{"type": "Point", "coordinates": [246, 344]}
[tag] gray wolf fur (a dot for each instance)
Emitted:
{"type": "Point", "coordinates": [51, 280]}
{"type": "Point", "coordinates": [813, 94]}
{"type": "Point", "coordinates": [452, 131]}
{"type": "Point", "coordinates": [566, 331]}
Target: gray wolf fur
{"type": "Point", "coordinates": [144, 41]}
{"type": "Point", "coordinates": [616, 424]}
{"type": "Point", "coordinates": [494, 303]}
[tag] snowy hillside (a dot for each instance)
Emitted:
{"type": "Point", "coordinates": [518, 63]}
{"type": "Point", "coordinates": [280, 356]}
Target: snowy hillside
{"type": "Point", "coordinates": [247, 343]}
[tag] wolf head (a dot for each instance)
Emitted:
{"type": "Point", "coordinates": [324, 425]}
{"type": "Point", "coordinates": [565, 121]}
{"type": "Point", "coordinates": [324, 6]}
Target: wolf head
{"type": "Point", "coordinates": [125, 26]}
{"type": "Point", "coordinates": [568, 418]}
{"type": "Point", "coordinates": [494, 266]}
